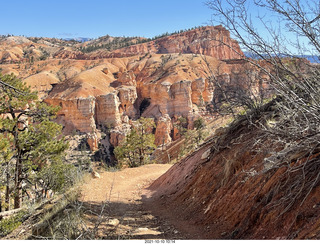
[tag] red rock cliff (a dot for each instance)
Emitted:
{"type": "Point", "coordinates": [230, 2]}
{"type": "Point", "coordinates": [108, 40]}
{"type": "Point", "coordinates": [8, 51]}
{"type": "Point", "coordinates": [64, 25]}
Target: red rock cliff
{"type": "Point", "coordinates": [212, 41]}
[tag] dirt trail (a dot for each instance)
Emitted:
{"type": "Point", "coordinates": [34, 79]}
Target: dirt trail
{"type": "Point", "coordinates": [117, 195]}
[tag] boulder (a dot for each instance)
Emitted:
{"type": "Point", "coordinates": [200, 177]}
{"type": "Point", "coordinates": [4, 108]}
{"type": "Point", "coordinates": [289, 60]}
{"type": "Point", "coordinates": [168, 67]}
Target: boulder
{"type": "Point", "coordinates": [95, 175]}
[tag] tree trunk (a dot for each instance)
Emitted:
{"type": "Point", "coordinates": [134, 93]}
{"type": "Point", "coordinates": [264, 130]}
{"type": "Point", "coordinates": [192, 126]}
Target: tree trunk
{"type": "Point", "coordinates": [141, 157]}
{"type": "Point", "coordinates": [17, 183]}
{"type": "Point", "coordinates": [7, 197]}
{"type": "Point", "coordinates": [17, 198]}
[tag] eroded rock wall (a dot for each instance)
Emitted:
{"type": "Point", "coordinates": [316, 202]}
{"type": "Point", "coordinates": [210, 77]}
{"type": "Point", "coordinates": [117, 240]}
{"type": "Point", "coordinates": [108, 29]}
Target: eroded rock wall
{"type": "Point", "coordinates": [127, 97]}
{"type": "Point", "coordinates": [180, 102]}
{"type": "Point", "coordinates": [163, 130]}
{"type": "Point", "coordinates": [114, 110]}
{"type": "Point", "coordinates": [76, 114]}
{"type": "Point", "coordinates": [107, 110]}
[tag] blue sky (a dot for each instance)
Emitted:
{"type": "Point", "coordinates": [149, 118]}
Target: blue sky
{"type": "Point", "coordinates": [94, 18]}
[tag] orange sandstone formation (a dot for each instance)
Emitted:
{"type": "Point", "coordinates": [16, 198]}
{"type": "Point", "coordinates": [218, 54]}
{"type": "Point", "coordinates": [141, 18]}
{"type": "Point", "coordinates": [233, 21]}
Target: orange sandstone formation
{"type": "Point", "coordinates": [162, 79]}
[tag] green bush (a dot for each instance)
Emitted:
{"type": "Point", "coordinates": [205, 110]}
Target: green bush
{"type": "Point", "coordinates": [13, 222]}
{"type": "Point", "coordinates": [57, 177]}
{"type": "Point", "coordinates": [138, 144]}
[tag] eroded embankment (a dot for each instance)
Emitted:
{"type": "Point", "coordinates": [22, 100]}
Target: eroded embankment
{"type": "Point", "coordinates": [226, 191]}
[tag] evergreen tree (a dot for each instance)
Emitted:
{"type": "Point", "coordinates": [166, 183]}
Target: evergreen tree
{"type": "Point", "coordinates": [181, 124]}
{"type": "Point", "coordinates": [138, 144]}
{"type": "Point", "coordinates": [199, 125]}
{"type": "Point", "coordinates": [29, 139]}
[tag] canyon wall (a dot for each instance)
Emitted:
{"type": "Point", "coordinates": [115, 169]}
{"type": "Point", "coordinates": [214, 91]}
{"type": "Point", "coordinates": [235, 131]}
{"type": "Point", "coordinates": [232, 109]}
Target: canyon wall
{"type": "Point", "coordinates": [163, 79]}
{"type": "Point", "coordinates": [89, 113]}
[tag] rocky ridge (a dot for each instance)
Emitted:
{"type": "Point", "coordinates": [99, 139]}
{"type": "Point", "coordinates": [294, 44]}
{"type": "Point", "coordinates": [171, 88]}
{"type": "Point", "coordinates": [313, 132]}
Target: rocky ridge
{"type": "Point", "coordinates": [205, 40]}
{"type": "Point", "coordinates": [101, 97]}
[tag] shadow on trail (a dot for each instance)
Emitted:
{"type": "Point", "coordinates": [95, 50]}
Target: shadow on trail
{"type": "Point", "coordinates": [122, 221]}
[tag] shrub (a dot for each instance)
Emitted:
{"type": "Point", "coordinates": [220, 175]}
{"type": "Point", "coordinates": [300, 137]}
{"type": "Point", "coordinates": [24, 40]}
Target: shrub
{"type": "Point", "coordinates": [138, 145]}
{"type": "Point", "coordinates": [11, 223]}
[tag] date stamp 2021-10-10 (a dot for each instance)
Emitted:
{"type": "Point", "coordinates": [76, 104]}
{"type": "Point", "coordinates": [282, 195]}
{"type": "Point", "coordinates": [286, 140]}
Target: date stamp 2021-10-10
{"type": "Point", "coordinates": [159, 241]}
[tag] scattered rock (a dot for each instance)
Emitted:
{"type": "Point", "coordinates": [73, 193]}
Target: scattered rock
{"type": "Point", "coordinates": [206, 154]}
{"type": "Point", "coordinates": [95, 174]}
{"type": "Point", "coordinates": [145, 231]}
{"type": "Point", "coordinates": [148, 217]}
{"type": "Point", "coordinates": [113, 222]}
{"type": "Point", "coordinates": [129, 219]}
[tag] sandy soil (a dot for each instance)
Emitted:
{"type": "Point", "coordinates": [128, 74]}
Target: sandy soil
{"type": "Point", "coordinates": [116, 199]}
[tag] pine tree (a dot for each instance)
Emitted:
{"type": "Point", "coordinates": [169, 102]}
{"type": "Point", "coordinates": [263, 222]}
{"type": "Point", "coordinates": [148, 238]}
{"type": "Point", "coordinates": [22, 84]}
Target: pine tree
{"type": "Point", "coordinates": [181, 124]}
{"type": "Point", "coordinates": [30, 140]}
{"type": "Point", "coordinates": [199, 125]}
{"type": "Point", "coordinates": [138, 145]}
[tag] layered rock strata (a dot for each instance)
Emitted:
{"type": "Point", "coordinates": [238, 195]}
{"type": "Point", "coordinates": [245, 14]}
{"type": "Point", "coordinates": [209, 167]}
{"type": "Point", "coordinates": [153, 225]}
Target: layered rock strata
{"type": "Point", "coordinates": [161, 82]}
{"type": "Point", "coordinates": [107, 110]}
{"type": "Point", "coordinates": [212, 41]}
{"type": "Point", "coordinates": [110, 96]}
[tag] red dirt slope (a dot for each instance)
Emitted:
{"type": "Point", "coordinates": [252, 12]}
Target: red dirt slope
{"type": "Point", "coordinates": [230, 194]}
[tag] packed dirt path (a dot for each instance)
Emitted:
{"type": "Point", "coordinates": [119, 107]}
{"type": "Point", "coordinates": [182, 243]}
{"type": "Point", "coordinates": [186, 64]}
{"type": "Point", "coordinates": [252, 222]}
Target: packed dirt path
{"type": "Point", "coordinates": [115, 200]}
